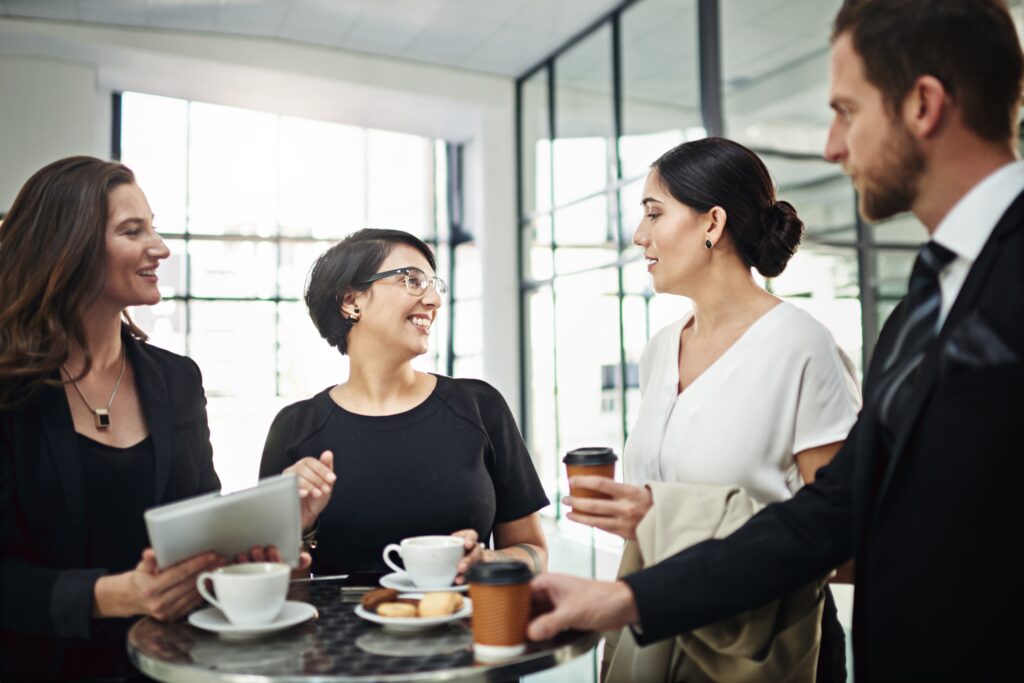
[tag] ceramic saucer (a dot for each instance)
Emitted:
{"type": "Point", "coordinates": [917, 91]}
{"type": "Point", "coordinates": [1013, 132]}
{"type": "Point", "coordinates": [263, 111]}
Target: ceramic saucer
{"type": "Point", "coordinates": [413, 624]}
{"type": "Point", "coordinates": [400, 581]}
{"type": "Point", "coordinates": [211, 619]}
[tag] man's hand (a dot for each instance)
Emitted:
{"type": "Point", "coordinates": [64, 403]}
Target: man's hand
{"type": "Point", "coordinates": [570, 602]}
{"type": "Point", "coordinates": [316, 481]}
{"type": "Point", "coordinates": [620, 514]}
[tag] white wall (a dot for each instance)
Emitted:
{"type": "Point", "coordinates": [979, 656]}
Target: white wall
{"type": "Point", "coordinates": [56, 80]}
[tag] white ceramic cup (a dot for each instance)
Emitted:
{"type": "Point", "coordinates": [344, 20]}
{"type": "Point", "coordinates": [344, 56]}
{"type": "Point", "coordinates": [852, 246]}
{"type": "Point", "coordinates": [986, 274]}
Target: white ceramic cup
{"type": "Point", "coordinates": [248, 594]}
{"type": "Point", "coordinates": [430, 561]}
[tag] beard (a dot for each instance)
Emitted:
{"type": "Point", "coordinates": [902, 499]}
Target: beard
{"type": "Point", "coordinates": [891, 186]}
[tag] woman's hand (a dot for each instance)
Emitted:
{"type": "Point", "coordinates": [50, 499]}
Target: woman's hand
{"type": "Point", "coordinates": [316, 480]}
{"type": "Point", "coordinates": [620, 514]}
{"type": "Point", "coordinates": [474, 552]}
{"type": "Point", "coordinates": [167, 594]}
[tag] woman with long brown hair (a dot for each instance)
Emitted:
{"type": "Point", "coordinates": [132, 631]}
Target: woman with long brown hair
{"type": "Point", "coordinates": [96, 426]}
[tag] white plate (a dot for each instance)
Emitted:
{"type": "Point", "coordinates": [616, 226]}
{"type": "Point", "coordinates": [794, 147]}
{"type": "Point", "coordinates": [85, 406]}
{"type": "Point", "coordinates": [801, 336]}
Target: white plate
{"type": "Point", "coordinates": [400, 581]}
{"type": "Point", "coordinates": [211, 619]}
{"type": "Point", "coordinates": [412, 624]}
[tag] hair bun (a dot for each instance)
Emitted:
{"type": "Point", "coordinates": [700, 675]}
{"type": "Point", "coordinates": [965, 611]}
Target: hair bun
{"type": "Point", "coordinates": [783, 231]}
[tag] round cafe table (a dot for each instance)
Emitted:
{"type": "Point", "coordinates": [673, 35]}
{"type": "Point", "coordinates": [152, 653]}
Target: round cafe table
{"type": "Point", "coordinates": [335, 646]}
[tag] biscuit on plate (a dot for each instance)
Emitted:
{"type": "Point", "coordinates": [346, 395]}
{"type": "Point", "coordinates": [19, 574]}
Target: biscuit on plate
{"type": "Point", "coordinates": [440, 604]}
{"type": "Point", "coordinates": [377, 597]}
{"type": "Point", "coordinates": [396, 609]}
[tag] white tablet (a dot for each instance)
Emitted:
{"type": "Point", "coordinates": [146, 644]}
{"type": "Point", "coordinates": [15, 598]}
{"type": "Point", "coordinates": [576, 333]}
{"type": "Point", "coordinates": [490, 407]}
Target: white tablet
{"type": "Point", "coordinates": [266, 514]}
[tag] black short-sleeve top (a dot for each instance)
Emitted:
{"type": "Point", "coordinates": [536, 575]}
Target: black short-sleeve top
{"type": "Point", "coordinates": [455, 461]}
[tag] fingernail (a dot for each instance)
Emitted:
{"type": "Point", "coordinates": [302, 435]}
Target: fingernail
{"type": "Point", "coordinates": [331, 477]}
{"type": "Point", "coordinates": [325, 488]}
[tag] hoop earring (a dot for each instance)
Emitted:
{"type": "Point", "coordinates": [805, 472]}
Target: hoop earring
{"type": "Point", "coordinates": [708, 245]}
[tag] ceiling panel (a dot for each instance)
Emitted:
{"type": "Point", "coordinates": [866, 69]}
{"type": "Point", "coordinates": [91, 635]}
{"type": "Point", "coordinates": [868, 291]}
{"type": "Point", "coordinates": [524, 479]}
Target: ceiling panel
{"type": "Point", "coordinates": [123, 12]}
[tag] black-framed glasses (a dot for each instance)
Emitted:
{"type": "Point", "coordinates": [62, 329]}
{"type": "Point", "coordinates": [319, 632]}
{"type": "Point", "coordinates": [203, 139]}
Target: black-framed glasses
{"type": "Point", "coordinates": [416, 281]}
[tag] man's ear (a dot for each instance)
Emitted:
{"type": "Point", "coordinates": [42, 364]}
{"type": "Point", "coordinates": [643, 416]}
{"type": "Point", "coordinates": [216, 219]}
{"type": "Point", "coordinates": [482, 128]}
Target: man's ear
{"type": "Point", "coordinates": [925, 107]}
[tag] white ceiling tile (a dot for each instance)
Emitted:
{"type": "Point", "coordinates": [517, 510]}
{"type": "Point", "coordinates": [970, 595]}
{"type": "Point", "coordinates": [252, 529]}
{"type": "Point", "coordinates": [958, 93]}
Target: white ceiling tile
{"type": "Point", "coordinates": [565, 16]}
{"type": "Point", "coordinates": [336, 16]}
{"type": "Point", "coordinates": [188, 15]}
{"type": "Point", "coordinates": [124, 12]}
{"type": "Point", "coordinates": [496, 10]}
{"type": "Point", "coordinates": [62, 10]}
{"type": "Point", "coordinates": [514, 50]}
{"type": "Point", "coordinates": [310, 34]}
{"type": "Point", "coordinates": [264, 18]}
{"type": "Point", "coordinates": [449, 39]}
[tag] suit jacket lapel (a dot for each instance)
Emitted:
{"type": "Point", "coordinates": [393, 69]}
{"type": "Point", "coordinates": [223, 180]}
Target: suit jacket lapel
{"type": "Point", "coordinates": [60, 435]}
{"type": "Point", "coordinates": [964, 304]}
{"type": "Point", "coordinates": [151, 386]}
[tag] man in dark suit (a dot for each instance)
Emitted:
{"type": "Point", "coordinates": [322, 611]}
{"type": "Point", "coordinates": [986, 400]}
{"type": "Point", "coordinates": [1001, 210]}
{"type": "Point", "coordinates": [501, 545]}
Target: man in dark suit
{"type": "Point", "coordinates": [923, 495]}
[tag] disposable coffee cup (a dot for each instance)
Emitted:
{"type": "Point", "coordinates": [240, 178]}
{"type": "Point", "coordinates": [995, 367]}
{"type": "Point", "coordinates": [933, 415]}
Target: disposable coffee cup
{"type": "Point", "coordinates": [598, 461]}
{"type": "Point", "coordinates": [500, 592]}
{"type": "Point", "coordinates": [248, 594]}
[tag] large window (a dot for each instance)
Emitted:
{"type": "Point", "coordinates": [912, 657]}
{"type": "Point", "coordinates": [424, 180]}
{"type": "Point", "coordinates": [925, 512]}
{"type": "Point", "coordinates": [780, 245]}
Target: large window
{"type": "Point", "coordinates": [246, 201]}
{"type": "Point", "coordinates": [591, 121]}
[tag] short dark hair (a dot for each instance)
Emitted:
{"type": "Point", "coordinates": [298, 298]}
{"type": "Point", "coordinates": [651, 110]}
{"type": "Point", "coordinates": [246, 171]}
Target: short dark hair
{"type": "Point", "coordinates": [344, 266]}
{"type": "Point", "coordinates": [971, 46]}
{"type": "Point", "coordinates": [714, 172]}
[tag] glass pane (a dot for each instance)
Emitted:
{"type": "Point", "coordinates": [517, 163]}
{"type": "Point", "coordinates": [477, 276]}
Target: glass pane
{"type": "Point", "coordinates": [536, 143]}
{"type": "Point", "coordinates": [469, 335]}
{"type": "Point", "coordinates": [232, 178]}
{"type": "Point", "coordinates": [575, 260]}
{"type": "Point", "coordinates": [587, 222]}
{"type": "Point", "coordinates": [468, 281]}
{"type": "Point", "coordinates": [232, 269]}
{"type": "Point", "coordinates": [822, 195]}
{"type": "Point", "coordinates": [635, 278]}
{"type": "Point", "coordinates": [323, 179]}
{"type": "Point", "coordinates": [541, 418]}
{"type": "Point", "coordinates": [824, 282]}
{"type": "Point", "coordinates": [901, 229]}
{"type": "Point", "coordinates": [660, 82]}
{"type": "Point", "coordinates": [297, 260]}
{"type": "Point", "coordinates": [306, 363]}
{"type": "Point", "coordinates": [400, 182]}
{"type": "Point", "coordinates": [631, 212]}
{"type": "Point", "coordinates": [171, 274]}
{"type": "Point", "coordinates": [538, 259]}
{"type": "Point", "coordinates": [154, 136]}
{"type": "Point", "coordinates": [233, 342]}
{"type": "Point", "coordinates": [587, 338]}
{"type": "Point", "coordinates": [892, 272]}
{"type": "Point", "coordinates": [584, 153]}
{"type": "Point", "coordinates": [469, 366]}
{"type": "Point", "coordinates": [164, 323]}
{"type": "Point", "coordinates": [442, 217]}
{"type": "Point", "coordinates": [774, 73]}
{"type": "Point", "coordinates": [635, 335]}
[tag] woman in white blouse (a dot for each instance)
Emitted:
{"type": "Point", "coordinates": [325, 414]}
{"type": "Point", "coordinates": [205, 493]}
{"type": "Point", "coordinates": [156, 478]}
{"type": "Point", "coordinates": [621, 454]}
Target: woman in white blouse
{"type": "Point", "coordinates": [746, 390]}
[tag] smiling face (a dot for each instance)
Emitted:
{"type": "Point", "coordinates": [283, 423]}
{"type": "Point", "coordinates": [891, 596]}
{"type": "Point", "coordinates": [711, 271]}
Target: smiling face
{"type": "Point", "coordinates": [133, 250]}
{"type": "Point", "coordinates": [876, 151]}
{"type": "Point", "coordinates": [392, 318]}
{"type": "Point", "coordinates": [672, 237]}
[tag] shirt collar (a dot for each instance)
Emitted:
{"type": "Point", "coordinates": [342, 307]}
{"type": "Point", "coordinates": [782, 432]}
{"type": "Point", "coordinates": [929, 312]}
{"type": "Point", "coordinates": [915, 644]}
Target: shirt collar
{"type": "Point", "coordinates": [970, 222]}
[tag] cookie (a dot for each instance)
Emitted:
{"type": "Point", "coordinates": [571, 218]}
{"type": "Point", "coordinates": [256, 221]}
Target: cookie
{"type": "Point", "coordinates": [396, 609]}
{"type": "Point", "coordinates": [377, 597]}
{"type": "Point", "coordinates": [440, 604]}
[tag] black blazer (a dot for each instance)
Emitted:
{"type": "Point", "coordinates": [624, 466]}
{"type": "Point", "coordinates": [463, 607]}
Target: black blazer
{"type": "Point", "coordinates": [45, 586]}
{"type": "Point", "coordinates": [932, 524]}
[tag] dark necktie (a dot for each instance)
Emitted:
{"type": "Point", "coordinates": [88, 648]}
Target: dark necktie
{"type": "Point", "coordinates": [924, 299]}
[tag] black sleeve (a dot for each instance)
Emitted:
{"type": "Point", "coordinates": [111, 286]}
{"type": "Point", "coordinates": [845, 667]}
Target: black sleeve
{"type": "Point", "coordinates": [781, 548]}
{"type": "Point", "coordinates": [276, 456]}
{"type": "Point", "coordinates": [208, 479]}
{"type": "Point", "coordinates": [36, 598]}
{"type": "Point", "coordinates": [517, 487]}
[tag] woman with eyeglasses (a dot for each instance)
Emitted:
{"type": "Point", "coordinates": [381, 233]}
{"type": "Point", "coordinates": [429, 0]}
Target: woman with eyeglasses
{"type": "Point", "coordinates": [404, 453]}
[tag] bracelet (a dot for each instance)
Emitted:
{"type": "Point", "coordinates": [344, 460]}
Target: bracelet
{"type": "Point", "coordinates": [309, 537]}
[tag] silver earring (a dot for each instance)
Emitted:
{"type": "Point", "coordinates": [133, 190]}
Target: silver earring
{"type": "Point", "coordinates": [708, 245]}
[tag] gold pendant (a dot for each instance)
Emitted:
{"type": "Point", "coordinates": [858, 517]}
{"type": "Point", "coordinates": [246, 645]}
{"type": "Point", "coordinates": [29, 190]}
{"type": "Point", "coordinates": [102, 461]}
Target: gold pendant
{"type": "Point", "coordinates": [102, 418]}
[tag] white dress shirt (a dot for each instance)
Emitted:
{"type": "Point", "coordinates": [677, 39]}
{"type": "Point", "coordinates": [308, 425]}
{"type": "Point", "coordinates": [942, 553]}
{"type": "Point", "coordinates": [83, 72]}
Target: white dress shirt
{"type": "Point", "coordinates": [969, 224]}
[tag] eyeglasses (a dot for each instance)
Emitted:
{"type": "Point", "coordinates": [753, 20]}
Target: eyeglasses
{"type": "Point", "coordinates": [416, 281]}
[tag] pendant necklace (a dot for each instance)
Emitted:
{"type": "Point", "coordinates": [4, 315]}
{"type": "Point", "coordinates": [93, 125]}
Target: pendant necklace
{"type": "Point", "coordinates": [101, 415]}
